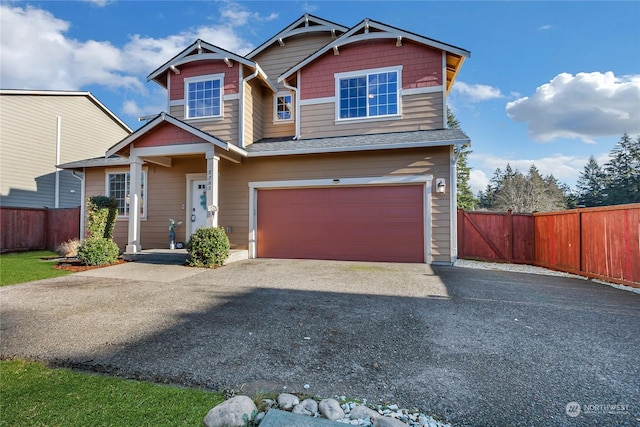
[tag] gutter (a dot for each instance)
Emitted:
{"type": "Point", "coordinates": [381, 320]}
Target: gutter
{"type": "Point", "coordinates": [297, 98]}
{"type": "Point", "coordinates": [241, 119]}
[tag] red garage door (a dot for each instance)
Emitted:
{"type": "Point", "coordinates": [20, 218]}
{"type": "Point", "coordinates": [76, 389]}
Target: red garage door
{"type": "Point", "coordinates": [376, 223]}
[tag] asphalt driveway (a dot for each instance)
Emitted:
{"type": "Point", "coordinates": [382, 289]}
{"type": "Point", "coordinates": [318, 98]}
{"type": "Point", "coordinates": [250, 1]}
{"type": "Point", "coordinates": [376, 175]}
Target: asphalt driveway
{"type": "Point", "coordinates": [474, 347]}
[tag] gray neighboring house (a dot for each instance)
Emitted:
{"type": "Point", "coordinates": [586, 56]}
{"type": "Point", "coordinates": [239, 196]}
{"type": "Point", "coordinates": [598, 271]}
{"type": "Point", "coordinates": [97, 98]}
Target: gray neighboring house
{"type": "Point", "coordinates": [41, 129]}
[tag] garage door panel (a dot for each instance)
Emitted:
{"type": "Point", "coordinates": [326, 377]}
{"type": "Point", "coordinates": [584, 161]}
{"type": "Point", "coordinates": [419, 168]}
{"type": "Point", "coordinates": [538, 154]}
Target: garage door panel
{"type": "Point", "coordinates": [376, 223]}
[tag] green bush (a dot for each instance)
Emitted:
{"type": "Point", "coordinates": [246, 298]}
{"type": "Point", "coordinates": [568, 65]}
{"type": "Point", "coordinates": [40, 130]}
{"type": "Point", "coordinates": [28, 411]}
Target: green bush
{"type": "Point", "coordinates": [98, 251]}
{"type": "Point", "coordinates": [102, 212]}
{"type": "Point", "coordinates": [208, 247]}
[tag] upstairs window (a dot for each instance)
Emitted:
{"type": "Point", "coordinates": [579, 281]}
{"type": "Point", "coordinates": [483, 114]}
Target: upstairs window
{"type": "Point", "coordinates": [119, 189]}
{"type": "Point", "coordinates": [367, 94]}
{"type": "Point", "coordinates": [203, 96]}
{"type": "Point", "coordinates": [283, 107]}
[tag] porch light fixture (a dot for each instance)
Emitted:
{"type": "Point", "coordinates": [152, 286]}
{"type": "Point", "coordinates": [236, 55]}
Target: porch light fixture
{"type": "Point", "coordinates": [440, 185]}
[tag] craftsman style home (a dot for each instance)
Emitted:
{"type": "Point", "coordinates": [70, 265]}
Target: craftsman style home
{"type": "Point", "coordinates": [325, 142]}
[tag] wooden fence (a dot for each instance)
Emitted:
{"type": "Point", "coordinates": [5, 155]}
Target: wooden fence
{"type": "Point", "coordinates": [25, 229]}
{"type": "Point", "coordinates": [496, 236]}
{"type": "Point", "coordinates": [601, 243]}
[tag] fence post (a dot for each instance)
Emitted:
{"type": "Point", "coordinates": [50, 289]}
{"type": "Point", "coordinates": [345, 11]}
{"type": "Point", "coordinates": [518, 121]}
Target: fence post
{"type": "Point", "coordinates": [580, 239]}
{"type": "Point", "coordinates": [509, 237]}
{"type": "Point", "coordinates": [461, 253]}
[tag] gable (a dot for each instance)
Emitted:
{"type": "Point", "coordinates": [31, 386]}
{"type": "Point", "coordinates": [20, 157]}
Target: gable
{"type": "Point", "coordinates": [167, 134]}
{"type": "Point", "coordinates": [421, 65]}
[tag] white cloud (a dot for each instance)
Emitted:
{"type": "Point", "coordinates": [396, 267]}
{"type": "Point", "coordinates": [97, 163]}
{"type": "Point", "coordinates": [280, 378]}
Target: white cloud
{"type": "Point", "coordinates": [236, 14]}
{"type": "Point", "coordinates": [584, 106]}
{"type": "Point", "coordinates": [477, 92]}
{"type": "Point", "coordinates": [478, 181]}
{"type": "Point", "coordinates": [545, 27]}
{"type": "Point", "coordinates": [564, 168]}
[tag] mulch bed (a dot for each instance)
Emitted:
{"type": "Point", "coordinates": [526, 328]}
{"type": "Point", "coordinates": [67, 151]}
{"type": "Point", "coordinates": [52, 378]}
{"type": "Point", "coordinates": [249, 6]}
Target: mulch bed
{"type": "Point", "coordinates": [76, 266]}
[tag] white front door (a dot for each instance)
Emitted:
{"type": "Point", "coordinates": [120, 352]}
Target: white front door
{"type": "Point", "coordinates": [198, 205]}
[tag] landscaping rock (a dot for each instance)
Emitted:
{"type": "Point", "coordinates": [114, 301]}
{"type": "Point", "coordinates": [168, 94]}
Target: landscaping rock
{"type": "Point", "coordinates": [306, 407]}
{"type": "Point", "coordinates": [230, 412]}
{"type": "Point", "coordinates": [330, 409]}
{"type": "Point", "coordinates": [388, 422]}
{"type": "Point", "coordinates": [360, 412]}
{"type": "Point", "coordinates": [287, 401]}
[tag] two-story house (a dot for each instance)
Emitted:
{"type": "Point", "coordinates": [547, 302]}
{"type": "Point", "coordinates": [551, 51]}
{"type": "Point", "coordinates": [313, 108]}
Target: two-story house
{"type": "Point", "coordinates": [325, 142]}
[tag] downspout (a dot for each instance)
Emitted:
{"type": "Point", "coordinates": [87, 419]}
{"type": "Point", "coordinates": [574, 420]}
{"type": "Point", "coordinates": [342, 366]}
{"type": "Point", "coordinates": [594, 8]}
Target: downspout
{"type": "Point", "coordinates": [297, 98]}
{"type": "Point", "coordinates": [82, 202]}
{"type": "Point", "coordinates": [454, 200]}
{"type": "Point", "coordinates": [56, 202]}
{"type": "Point", "coordinates": [241, 121]}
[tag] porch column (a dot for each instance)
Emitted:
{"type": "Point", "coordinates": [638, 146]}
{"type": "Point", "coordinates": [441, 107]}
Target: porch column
{"type": "Point", "coordinates": [212, 189]}
{"type": "Point", "coordinates": [135, 188]}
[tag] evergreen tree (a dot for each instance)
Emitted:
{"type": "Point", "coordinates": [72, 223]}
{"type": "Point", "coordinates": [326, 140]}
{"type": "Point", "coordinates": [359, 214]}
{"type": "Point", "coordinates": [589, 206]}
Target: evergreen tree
{"type": "Point", "coordinates": [464, 196]}
{"type": "Point", "coordinates": [623, 172]}
{"type": "Point", "coordinates": [592, 185]}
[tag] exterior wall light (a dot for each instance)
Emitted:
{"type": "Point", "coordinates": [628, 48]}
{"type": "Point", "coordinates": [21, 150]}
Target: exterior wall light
{"type": "Point", "coordinates": [441, 185]}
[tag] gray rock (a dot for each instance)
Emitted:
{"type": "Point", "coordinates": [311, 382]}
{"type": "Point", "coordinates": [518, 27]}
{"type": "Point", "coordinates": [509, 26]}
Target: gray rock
{"type": "Point", "coordinates": [330, 409]}
{"type": "Point", "coordinates": [306, 407]}
{"type": "Point", "coordinates": [360, 412]}
{"type": "Point", "coordinates": [287, 401]}
{"type": "Point", "coordinates": [259, 417]}
{"type": "Point", "coordinates": [230, 412]}
{"type": "Point", "coordinates": [388, 422]}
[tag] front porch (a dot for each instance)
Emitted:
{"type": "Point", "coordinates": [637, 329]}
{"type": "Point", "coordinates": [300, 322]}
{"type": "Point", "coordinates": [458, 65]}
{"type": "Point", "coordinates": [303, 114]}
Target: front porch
{"type": "Point", "coordinates": [177, 256]}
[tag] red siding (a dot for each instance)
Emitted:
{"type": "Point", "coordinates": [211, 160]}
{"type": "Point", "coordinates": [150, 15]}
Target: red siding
{"type": "Point", "coordinates": [201, 68]}
{"type": "Point", "coordinates": [166, 134]}
{"type": "Point", "coordinates": [422, 66]}
{"type": "Point", "coordinates": [356, 224]}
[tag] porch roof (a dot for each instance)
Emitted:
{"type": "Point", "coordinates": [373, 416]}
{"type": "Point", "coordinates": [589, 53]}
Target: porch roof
{"type": "Point", "coordinates": [383, 141]}
{"type": "Point", "coordinates": [95, 162]}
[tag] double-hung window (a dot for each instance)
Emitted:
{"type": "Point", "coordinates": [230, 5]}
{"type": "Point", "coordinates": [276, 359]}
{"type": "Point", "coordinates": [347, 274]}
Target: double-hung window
{"type": "Point", "coordinates": [118, 188]}
{"type": "Point", "coordinates": [368, 93]}
{"type": "Point", "coordinates": [283, 107]}
{"type": "Point", "coordinates": [203, 96]}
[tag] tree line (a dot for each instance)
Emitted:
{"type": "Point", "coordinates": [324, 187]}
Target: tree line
{"type": "Point", "coordinates": [615, 182]}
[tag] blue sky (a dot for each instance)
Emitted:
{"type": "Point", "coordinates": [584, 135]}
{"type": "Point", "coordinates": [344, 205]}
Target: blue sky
{"type": "Point", "coordinates": [547, 82]}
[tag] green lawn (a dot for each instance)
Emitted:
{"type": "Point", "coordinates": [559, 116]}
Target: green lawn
{"type": "Point", "coordinates": [33, 395]}
{"type": "Point", "coordinates": [27, 266]}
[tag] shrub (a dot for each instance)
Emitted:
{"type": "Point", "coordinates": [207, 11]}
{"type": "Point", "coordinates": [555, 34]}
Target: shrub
{"type": "Point", "coordinates": [69, 248]}
{"type": "Point", "coordinates": [98, 251]}
{"type": "Point", "coordinates": [208, 247]}
{"type": "Point", "coordinates": [101, 216]}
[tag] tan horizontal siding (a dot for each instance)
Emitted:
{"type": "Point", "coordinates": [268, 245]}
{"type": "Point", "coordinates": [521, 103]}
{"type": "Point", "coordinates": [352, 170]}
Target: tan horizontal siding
{"type": "Point", "coordinates": [225, 129]}
{"type": "Point", "coordinates": [177, 111]}
{"type": "Point", "coordinates": [273, 129]}
{"type": "Point", "coordinates": [419, 112]}
{"type": "Point", "coordinates": [235, 178]}
{"type": "Point", "coordinates": [28, 132]}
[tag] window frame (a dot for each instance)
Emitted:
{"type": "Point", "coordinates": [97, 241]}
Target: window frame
{"type": "Point", "coordinates": [276, 118]}
{"type": "Point", "coordinates": [127, 172]}
{"type": "Point", "coordinates": [204, 78]}
{"type": "Point", "coordinates": [365, 74]}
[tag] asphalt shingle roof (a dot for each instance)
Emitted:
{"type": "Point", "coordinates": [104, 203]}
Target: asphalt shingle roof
{"type": "Point", "coordinates": [420, 138]}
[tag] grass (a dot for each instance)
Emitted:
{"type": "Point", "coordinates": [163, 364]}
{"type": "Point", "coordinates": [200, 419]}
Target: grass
{"type": "Point", "coordinates": [27, 266]}
{"type": "Point", "coordinates": [34, 395]}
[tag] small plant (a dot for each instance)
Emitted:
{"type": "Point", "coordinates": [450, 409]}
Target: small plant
{"type": "Point", "coordinates": [69, 248]}
{"type": "Point", "coordinates": [208, 247]}
{"type": "Point", "coordinates": [98, 251]}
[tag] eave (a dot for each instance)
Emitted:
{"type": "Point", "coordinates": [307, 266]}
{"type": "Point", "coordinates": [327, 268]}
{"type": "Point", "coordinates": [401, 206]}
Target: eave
{"type": "Point", "coordinates": [363, 32]}
{"type": "Point", "coordinates": [205, 51]}
{"type": "Point", "coordinates": [305, 24]}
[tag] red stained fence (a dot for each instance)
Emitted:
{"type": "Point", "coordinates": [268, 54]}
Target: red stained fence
{"type": "Point", "coordinates": [600, 243]}
{"type": "Point", "coordinates": [25, 229]}
{"type": "Point", "coordinates": [496, 236]}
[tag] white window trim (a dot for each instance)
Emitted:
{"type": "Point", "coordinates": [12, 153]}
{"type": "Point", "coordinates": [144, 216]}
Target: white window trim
{"type": "Point", "coordinates": [207, 77]}
{"type": "Point", "coordinates": [277, 120]}
{"type": "Point", "coordinates": [146, 188]}
{"type": "Point", "coordinates": [365, 73]}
